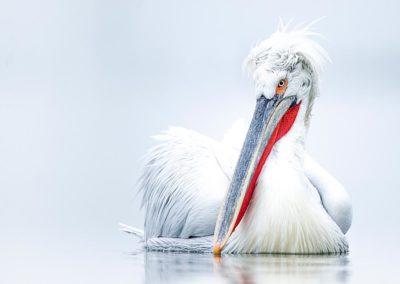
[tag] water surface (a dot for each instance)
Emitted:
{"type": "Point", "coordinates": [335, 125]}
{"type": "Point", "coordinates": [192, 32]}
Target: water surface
{"type": "Point", "coordinates": [204, 268]}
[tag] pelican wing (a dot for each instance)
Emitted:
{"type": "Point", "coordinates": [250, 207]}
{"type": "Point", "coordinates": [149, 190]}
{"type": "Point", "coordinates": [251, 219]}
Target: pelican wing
{"type": "Point", "coordinates": [334, 196]}
{"type": "Point", "coordinates": [183, 183]}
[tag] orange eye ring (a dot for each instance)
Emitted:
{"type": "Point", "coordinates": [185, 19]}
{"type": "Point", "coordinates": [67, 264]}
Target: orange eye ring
{"type": "Point", "coordinates": [282, 86]}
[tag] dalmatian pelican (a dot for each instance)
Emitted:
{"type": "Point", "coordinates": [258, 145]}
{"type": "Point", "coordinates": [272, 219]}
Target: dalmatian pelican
{"type": "Point", "coordinates": [258, 192]}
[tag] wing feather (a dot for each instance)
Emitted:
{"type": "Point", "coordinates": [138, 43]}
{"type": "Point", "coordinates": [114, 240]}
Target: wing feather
{"type": "Point", "coordinates": [183, 184]}
{"type": "Point", "coordinates": [335, 199]}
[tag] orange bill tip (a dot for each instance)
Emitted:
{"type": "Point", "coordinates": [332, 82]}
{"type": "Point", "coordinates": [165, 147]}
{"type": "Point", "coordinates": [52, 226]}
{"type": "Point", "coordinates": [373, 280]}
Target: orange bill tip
{"type": "Point", "coordinates": [217, 249]}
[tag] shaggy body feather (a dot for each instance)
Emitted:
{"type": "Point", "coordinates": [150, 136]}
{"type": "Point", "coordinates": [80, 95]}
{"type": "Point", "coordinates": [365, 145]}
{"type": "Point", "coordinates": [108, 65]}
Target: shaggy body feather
{"type": "Point", "coordinates": [177, 217]}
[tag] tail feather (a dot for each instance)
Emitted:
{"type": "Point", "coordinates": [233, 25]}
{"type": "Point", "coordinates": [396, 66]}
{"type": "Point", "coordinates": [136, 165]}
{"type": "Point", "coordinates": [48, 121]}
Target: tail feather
{"type": "Point", "coordinates": [192, 245]}
{"type": "Point", "coordinates": [131, 230]}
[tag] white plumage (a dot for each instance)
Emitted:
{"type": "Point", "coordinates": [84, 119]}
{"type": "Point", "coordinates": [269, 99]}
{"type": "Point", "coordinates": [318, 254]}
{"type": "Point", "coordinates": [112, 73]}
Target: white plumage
{"type": "Point", "coordinates": [183, 184]}
{"type": "Point", "coordinates": [297, 207]}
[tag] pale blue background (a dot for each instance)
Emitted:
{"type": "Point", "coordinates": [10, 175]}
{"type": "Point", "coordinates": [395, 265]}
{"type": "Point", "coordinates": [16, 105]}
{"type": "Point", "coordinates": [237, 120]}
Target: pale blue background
{"type": "Point", "coordinates": [83, 84]}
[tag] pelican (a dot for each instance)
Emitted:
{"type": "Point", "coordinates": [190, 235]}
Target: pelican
{"type": "Point", "coordinates": [257, 190]}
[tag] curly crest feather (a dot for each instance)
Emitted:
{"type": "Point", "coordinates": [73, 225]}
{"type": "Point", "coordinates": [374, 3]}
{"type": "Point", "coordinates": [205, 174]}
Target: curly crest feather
{"type": "Point", "coordinates": [286, 47]}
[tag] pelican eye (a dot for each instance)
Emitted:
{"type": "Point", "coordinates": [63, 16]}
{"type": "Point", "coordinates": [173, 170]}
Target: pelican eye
{"type": "Point", "coordinates": [281, 88]}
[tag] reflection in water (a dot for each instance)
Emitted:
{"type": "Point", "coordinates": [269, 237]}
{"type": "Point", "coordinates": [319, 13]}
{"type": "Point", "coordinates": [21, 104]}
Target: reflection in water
{"type": "Point", "coordinates": [182, 268]}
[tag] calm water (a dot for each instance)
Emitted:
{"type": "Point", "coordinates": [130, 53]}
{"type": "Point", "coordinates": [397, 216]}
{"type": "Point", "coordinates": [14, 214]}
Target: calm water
{"type": "Point", "coordinates": [184, 268]}
{"type": "Point", "coordinates": [369, 261]}
{"type": "Point", "coordinates": [118, 258]}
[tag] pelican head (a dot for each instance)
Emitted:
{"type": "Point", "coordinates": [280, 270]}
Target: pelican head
{"type": "Point", "coordinates": [285, 69]}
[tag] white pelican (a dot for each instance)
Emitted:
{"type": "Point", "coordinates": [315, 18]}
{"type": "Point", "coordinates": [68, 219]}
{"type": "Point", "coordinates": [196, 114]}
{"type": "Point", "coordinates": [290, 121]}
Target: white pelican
{"type": "Point", "coordinates": [270, 194]}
